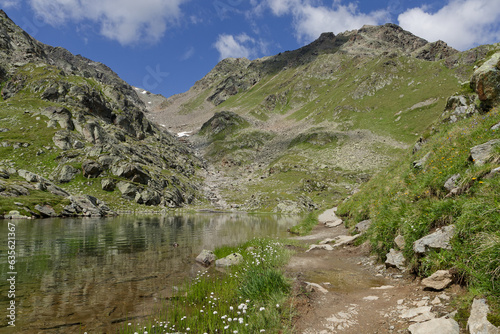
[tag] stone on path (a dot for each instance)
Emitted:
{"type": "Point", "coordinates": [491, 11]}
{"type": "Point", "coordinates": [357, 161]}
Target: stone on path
{"type": "Point", "coordinates": [478, 322]}
{"type": "Point", "coordinates": [440, 280]}
{"type": "Point", "coordinates": [329, 218]}
{"type": "Point", "coordinates": [413, 312]}
{"type": "Point", "coordinates": [311, 287]}
{"type": "Point", "coordinates": [395, 259]}
{"type": "Point", "coordinates": [439, 239]}
{"type": "Point", "coordinates": [370, 298]}
{"type": "Point", "coordinates": [324, 246]}
{"type": "Point", "coordinates": [440, 325]}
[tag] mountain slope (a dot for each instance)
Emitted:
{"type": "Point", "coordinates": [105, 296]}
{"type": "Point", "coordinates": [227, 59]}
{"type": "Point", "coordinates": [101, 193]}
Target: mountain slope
{"type": "Point", "coordinates": [322, 118]}
{"type": "Point", "coordinates": [72, 127]}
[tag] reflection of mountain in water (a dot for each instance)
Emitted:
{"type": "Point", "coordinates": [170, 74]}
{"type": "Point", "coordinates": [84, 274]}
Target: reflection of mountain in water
{"type": "Point", "coordinates": [99, 271]}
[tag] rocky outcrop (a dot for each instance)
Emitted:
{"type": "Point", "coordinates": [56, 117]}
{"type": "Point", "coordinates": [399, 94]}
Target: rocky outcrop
{"type": "Point", "coordinates": [459, 107]}
{"type": "Point", "coordinates": [484, 153]}
{"type": "Point", "coordinates": [486, 81]}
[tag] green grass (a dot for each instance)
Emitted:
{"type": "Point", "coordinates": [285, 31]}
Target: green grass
{"type": "Point", "coordinates": [247, 298]}
{"type": "Point", "coordinates": [414, 202]}
{"type": "Point", "coordinates": [307, 224]}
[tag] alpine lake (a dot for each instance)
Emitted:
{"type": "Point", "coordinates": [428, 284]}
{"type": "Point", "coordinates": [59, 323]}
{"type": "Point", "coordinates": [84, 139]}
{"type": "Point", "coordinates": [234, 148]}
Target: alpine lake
{"type": "Point", "coordinates": [96, 274]}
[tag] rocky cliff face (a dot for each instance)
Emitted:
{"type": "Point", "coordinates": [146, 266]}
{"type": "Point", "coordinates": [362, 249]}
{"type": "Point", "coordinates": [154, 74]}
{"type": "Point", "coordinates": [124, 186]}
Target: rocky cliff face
{"type": "Point", "coordinates": [72, 125]}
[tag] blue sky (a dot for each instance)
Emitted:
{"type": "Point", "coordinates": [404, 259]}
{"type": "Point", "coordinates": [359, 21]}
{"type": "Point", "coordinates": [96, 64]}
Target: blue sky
{"type": "Point", "coordinates": [166, 45]}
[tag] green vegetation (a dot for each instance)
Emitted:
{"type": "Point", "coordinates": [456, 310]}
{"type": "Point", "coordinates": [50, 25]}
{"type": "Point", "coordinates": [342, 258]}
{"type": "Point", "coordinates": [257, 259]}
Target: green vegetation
{"type": "Point", "coordinates": [413, 202]}
{"type": "Point", "coordinates": [249, 298]}
{"type": "Point", "coordinates": [307, 224]}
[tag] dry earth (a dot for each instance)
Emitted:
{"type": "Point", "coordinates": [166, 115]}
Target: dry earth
{"type": "Point", "coordinates": [352, 293]}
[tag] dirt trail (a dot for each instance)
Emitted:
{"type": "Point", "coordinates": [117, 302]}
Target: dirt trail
{"type": "Point", "coordinates": [351, 293]}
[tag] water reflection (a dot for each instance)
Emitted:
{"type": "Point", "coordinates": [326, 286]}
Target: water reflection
{"type": "Point", "coordinates": [88, 274]}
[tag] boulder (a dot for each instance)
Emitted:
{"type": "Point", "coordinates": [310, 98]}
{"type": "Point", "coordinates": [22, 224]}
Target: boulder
{"type": "Point", "coordinates": [62, 140]}
{"type": "Point", "coordinates": [395, 259]}
{"type": "Point", "coordinates": [28, 176]}
{"type": "Point", "coordinates": [61, 115]}
{"type": "Point", "coordinates": [87, 206]}
{"type": "Point", "coordinates": [478, 322]}
{"type": "Point", "coordinates": [91, 169]}
{"type": "Point", "coordinates": [14, 214]}
{"type": "Point", "coordinates": [440, 325]}
{"type": "Point", "coordinates": [128, 190]}
{"type": "Point", "coordinates": [419, 164]}
{"type": "Point", "coordinates": [67, 173]}
{"type": "Point", "coordinates": [206, 257]}
{"type": "Point", "coordinates": [414, 312]}
{"type": "Point", "coordinates": [493, 173]}
{"type": "Point", "coordinates": [439, 239]}
{"type": "Point", "coordinates": [440, 280]}
{"type": "Point", "coordinates": [132, 172]}
{"type": "Point", "coordinates": [324, 246]}
{"type": "Point", "coordinates": [230, 260]}
{"type": "Point", "coordinates": [148, 197]}
{"type": "Point", "coordinates": [484, 153]}
{"type": "Point", "coordinates": [400, 241]}
{"type": "Point", "coordinates": [4, 174]}
{"type": "Point", "coordinates": [486, 81]}
{"type": "Point", "coordinates": [451, 183]}
{"type": "Point", "coordinates": [108, 184]}
{"type": "Point", "coordinates": [46, 210]}
{"type": "Point", "coordinates": [329, 218]}
{"type": "Point", "coordinates": [362, 226]}
{"type": "Point", "coordinates": [55, 190]}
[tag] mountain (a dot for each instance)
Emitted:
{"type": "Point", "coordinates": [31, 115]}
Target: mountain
{"type": "Point", "coordinates": [74, 139]}
{"type": "Point", "coordinates": [305, 128]}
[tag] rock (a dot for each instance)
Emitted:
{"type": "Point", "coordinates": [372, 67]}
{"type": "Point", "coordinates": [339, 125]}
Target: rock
{"type": "Point", "coordinates": [108, 184]}
{"type": "Point", "coordinates": [484, 153]}
{"type": "Point", "coordinates": [419, 164]}
{"type": "Point", "coordinates": [87, 206]}
{"type": "Point", "coordinates": [395, 259]}
{"type": "Point", "coordinates": [342, 240]}
{"type": "Point", "coordinates": [4, 174]}
{"type": "Point", "coordinates": [128, 190]}
{"type": "Point", "coordinates": [28, 176]}
{"type": "Point", "coordinates": [440, 280]}
{"type": "Point", "coordinates": [451, 183]}
{"type": "Point", "coordinates": [486, 81]}
{"type": "Point", "coordinates": [439, 239]}
{"type": "Point", "coordinates": [230, 260]}
{"type": "Point", "coordinates": [67, 173]}
{"type": "Point", "coordinates": [55, 190]}
{"type": "Point", "coordinates": [132, 172]}
{"type": "Point", "coordinates": [362, 226]}
{"type": "Point", "coordinates": [206, 257]}
{"type": "Point", "coordinates": [458, 108]}
{"type": "Point", "coordinates": [61, 115]}
{"type": "Point", "coordinates": [91, 169]}
{"type": "Point", "coordinates": [478, 322]}
{"type": "Point", "coordinates": [440, 325]}
{"type": "Point", "coordinates": [46, 210]}
{"type": "Point", "coordinates": [426, 316]}
{"type": "Point", "coordinates": [148, 197]}
{"type": "Point", "coordinates": [329, 218]}
{"type": "Point", "coordinates": [370, 298]}
{"type": "Point", "coordinates": [400, 241]}
{"type": "Point", "coordinates": [325, 247]}
{"type": "Point", "coordinates": [14, 214]}
{"type": "Point", "coordinates": [312, 287]}
{"type": "Point", "coordinates": [413, 312]}
{"type": "Point", "coordinates": [494, 172]}
{"type": "Point", "coordinates": [62, 140]}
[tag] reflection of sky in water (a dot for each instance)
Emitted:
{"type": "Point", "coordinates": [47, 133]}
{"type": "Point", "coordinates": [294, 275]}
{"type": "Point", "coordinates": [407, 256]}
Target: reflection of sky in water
{"type": "Point", "coordinates": [95, 271]}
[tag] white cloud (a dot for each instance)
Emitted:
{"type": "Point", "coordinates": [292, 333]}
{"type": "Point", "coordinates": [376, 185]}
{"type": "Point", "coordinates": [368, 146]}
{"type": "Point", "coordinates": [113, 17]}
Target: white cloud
{"type": "Point", "coordinates": [188, 54]}
{"type": "Point", "coordinates": [460, 23]}
{"type": "Point", "coordinates": [240, 46]}
{"type": "Point", "coordinates": [127, 21]}
{"type": "Point", "coordinates": [311, 17]}
{"type": "Point", "coordinates": [9, 3]}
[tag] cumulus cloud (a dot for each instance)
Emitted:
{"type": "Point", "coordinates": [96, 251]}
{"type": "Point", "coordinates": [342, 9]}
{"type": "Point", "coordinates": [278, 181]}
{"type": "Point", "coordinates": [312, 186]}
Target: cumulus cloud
{"type": "Point", "coordinates": [239, 46]}
{"type": "Point", "coordinates": [460, 23]}
{"type": "Point", "coordinates": [311, 18]}
{"type": "Point", "coordinates": [127, 21]}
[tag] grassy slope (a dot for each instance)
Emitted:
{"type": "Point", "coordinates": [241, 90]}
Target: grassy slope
{"type": "Point", "coordinates": [413, 202]}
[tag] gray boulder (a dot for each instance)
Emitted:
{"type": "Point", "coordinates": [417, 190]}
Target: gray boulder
{"type": "Point", "coordinates": [451, 183]}
{"type": "Point", "coordinates": [478, 322]}
{"type": "Point", "coordinates": [132, 172]}
{"type": "Point", "coordinates": [400, 241]}
{"type": "Point", "coordinates": [28, 176]}
{"type": "Point", "coordinates": [206, 257]}
{"type": "Point", "coordinates": [87, 206]}
{"type": "Point", "coordinates": [440, 325]}
{"type": "Point", "coordinates": [46, 210]}
{"type": "Point", "coordinates": [440, 280]}
{"type": "Point", "coordinates": [420, 164]}
{"type": "Point", "coordinates": [439, 239]}
{"type": "Point", "coordinates": [67, 173]}
{"type": "Point", "coordinates": [55, 190]}
{"type": "Point", "coordinates": [484, 153]}
{"type": "Point", "coordinates": [148, 197]}
{"type": "Point", "coordinates": [60, 115]}
{"type": "Point", "coordinates": [91, 169]}
{"type": "Point", "coordinates": [362, 226]}
{"type": "Point", "coordinates": [395, 259]}
{"type": "Point", "coordinates": [108, 184]}
{"type": "Point", "coordinates": [62, 140]}
{"type": "Point", "coordinates": [128, 190]}
{"type": "Point", "coordinates": [230, 260]}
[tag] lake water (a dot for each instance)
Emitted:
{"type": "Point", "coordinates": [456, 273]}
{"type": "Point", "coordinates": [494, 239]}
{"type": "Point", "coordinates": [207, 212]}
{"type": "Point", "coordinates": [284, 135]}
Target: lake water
{"type": "Point", "coordinates": [95, 275]}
